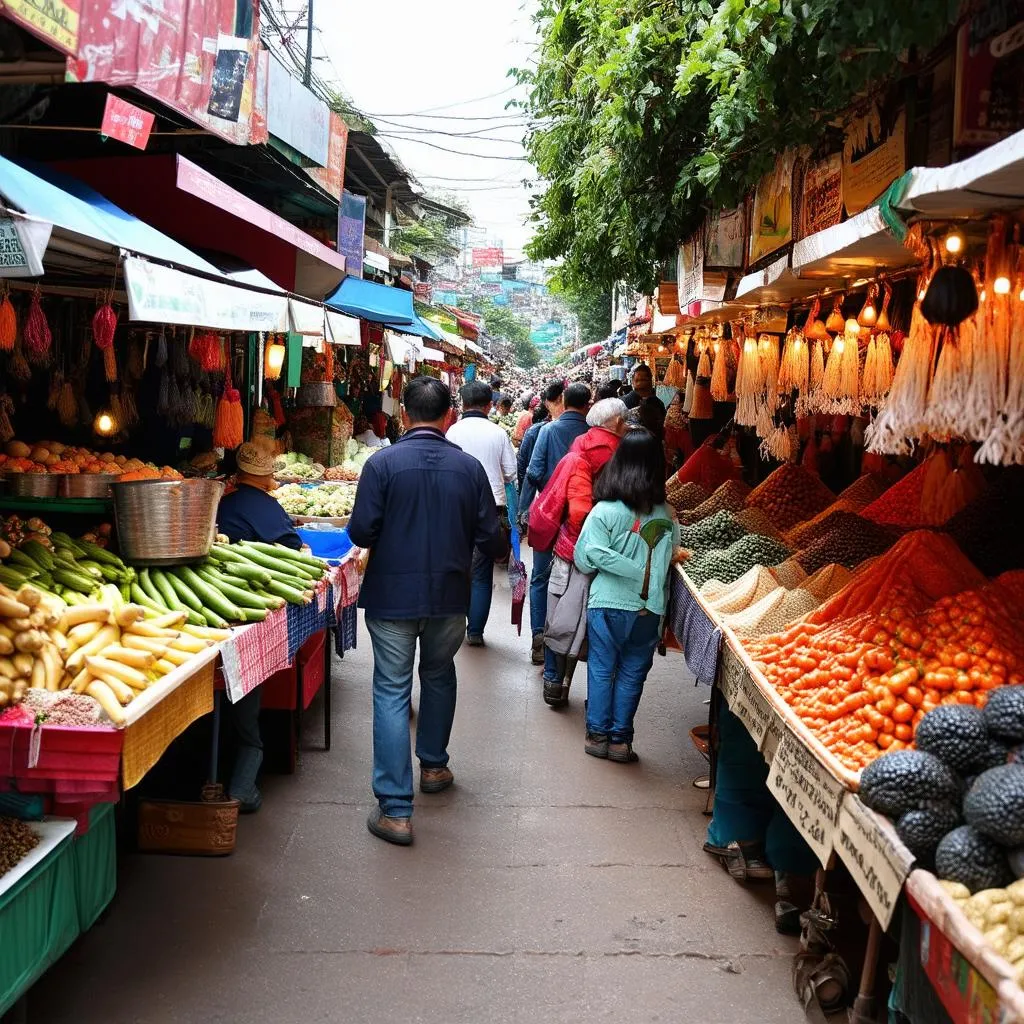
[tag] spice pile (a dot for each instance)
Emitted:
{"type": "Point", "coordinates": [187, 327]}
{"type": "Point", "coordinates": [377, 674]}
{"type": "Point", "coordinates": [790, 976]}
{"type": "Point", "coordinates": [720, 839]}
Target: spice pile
{"type": "Point", "coordinates": [717, 531]}
{"type": "Point", "coordinates": [17, 841]}
{"type": "Point", "coordinates": [790, 495]}
{"type": "Point", "coordinates": [730, 563]}
{"type": "Point", "coordinates": [684, 496]}
{"type": "Point", "coordinates": [848, 540]}
{"type": "Point", "coordinates": [62, 708]}
{"type": "Point", "coordinates": [729, 497]}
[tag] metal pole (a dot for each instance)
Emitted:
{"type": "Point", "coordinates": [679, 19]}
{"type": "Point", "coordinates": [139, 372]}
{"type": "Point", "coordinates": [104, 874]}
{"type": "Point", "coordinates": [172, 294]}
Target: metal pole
{"type": "Point", "coordinates": [307, 77]}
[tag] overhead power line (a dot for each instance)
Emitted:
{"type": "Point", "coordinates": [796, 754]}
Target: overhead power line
{"type": "Point", "coordinates": [457, 152]}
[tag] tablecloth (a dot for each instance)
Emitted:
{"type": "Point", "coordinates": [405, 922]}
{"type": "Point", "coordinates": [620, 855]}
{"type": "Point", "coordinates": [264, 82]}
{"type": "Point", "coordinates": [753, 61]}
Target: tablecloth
{"type": "Point", "coordinates": [254, 653]}
{"type": "Point", "coordinates": [699, 637]}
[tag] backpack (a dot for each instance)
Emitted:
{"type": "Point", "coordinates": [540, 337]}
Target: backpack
{"type": "Point", "coordinates": [547, 512]}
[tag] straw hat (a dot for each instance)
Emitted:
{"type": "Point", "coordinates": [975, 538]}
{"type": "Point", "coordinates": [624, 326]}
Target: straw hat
{"type": "Point", "coordinates": [254, 461]}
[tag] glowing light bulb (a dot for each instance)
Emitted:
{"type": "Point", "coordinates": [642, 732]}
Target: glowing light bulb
{"type": "Point", "coordinates": [273, 361]}
{"type": "Point", "coordinates": [839, 346]}
{"type": "Point", "coordinates": [920, 296]}
{"type": "Point", "coordinates": [1001, 285]}
{"type": "Point", "coordinates": [852, 327]}
{"type": "Point", "coordinates": [954, 243]}
{"type": "Point", "coordinates": [749, 345]}
{"type": "Point", "coordinates": [104, 425]}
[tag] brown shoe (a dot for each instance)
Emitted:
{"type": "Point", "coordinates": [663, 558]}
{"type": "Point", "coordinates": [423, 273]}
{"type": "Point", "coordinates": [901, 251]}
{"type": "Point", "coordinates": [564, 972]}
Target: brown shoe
{"type": "Point", "coordinates": [434, 780]}
{"type": "Point", "coordinates": [595, 744]}
{"type": "Point", "coordinates": [623, 753]}
{"type": "Point", "coordinates": [537, 650]}
{"type": "Point", "coordinates": [391, 830]}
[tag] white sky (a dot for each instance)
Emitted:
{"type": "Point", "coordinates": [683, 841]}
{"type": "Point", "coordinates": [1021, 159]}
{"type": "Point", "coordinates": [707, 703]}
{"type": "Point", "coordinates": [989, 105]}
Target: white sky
{"type": "Point", "coordinates": [399, 57]}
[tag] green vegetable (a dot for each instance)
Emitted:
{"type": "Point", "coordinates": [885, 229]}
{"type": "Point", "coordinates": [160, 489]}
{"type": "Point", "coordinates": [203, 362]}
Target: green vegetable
{"type": "Point", "coordinates": [39, 554]}
{"type": "Point", "coordinates": [254, 614]}
{"type": "Point", "coordinates": [289, 574]}
{"type": "Point", "coordinates": [79, 581]}
{"type": "Point", "coordinates": [166, 591]}
{"type": "Point", "coordinates": [181, 590]}
{"type": "Point", "coordinates": [290, 594]}
{"type": "Point", "coordinates": [13, 577]}
{"type": "Point", "coordinates": [211, 597]}
{"type": "Point", "coordinates": [63, 541]}
{"type": "Point", "coordinates": [139, 596]}
{"type": "Point", "coordinates": [242, 598]}
{"type": "Point", "coordinates": [280, 551]}
{"type": "Point", "coordinates": [244, 571]}
{"type": "Point", "coordinates": [149, 588]}
{"type": "Point", "coordinates": [98, 554]}
{"type": "Point", "coordinates": [18, 557]}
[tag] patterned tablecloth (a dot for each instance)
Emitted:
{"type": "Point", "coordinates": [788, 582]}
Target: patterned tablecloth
{"type": "Point", "coordinates": [698, 636]}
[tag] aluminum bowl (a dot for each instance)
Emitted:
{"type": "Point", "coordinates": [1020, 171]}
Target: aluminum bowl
{"type": "Point", "coordinates": [85, 485]}
{"type": "Point", "coordinates": [31, 485]}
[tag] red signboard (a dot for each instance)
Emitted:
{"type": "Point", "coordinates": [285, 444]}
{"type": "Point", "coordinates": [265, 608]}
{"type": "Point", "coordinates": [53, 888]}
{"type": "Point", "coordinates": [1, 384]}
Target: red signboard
{"type": "Point", "coordinates": [332, 177]}
{"type": "Point", "coordinates": [422, 291]}
{"type": "Point", "coordinates": [492, 257]}
{"type": "Point", "coordinates": [989, 64]}
{"type": "Point", "coordinates": [198, 57]}
{"type": "Point", "coordinates": [53, 21]}
{"type": "Point", "coordinates": [126, 122]}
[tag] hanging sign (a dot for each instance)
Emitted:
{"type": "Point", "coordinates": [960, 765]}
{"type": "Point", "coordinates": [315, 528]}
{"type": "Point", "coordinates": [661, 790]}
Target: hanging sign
{"type": "Point", "coordinates": [821, 200]}
{"type": "Point", "coordinates": [351, 227]}
{"type": "Point", "coordinates": [808, 793]}
{"type": "Point", "coordinates": [159, 294]}
{"type": "Point", "coordinates": [872, 158]}
{"type": "Point", "coordinates": [878, 863]}
{"type": "Point", "coordinates": [53, 21]}
{"type": "Point", "coordinates": [989, 64]}
{"type": "Point", "coordinates": [690, 270]}
{"type": "Point", "coordinates": [725, 239]}
{"type": "Point", "coordinates": [772, 221]}
{"type": "Point", "coordinates": [22, 245]}
{"type": "Point", "coordinates": [126, 122]}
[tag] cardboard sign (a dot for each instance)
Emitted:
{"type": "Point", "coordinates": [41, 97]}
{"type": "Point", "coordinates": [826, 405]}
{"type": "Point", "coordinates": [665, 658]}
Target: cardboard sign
{"type": "Point", "coordinates": [879, 864]}
{"type": "Point", "coordinates": [126, 122]}
{"type": "Point", "coordinates": [872, 158]}
{"type": "Point", "coordinates": [748, 704]}
{"type": "Point", "coordinates": [808, 793]}
{"type": "Point", "coordinates": [821, 201]}
{"type": "Point", "coordinates": [53, 21]}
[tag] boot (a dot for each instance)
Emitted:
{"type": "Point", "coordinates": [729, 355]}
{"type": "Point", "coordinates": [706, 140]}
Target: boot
{"type": "Point", "coordinates": [242, 786]}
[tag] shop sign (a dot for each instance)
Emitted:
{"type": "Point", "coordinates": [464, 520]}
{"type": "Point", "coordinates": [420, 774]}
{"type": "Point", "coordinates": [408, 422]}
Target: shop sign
{"type": "Point", "coordinates": [488, 257]}
{"type": "Point", "coordinates": [126, 122]}
{"type": "Point", "coordinates": [159, 294]}
{"type": "Point", "coordinates": [873, 158]}
{"type": "Point", "coordinates": [690, 270]}
{"type": "Point", "coordinates": [198, 58]}
{"type": "Point", "coordinates": [809, 794]}
{"type": "Point", "coordinates": [332, 177]}
{"type": "Point", "coordinates": [989, 65]}
{"type": "Point", "coordinates": [821, 200]}
{"type": "Point", "coordinates": [53, 21]}
{"type": "Point", "coordinates": [351, 228]}
{"type": "Point", "coordinates": [772, 220]}
{"type": "Point", "coordinates": [22, 244]}
{"type": "Point", "coordinates": [377, 261]}
{"type": "Point", "coordinates": [878, 863]}
{"type": "Point", "coordinates": [725, 239]}
{"type": "Point", "coordinates": [297, 117]}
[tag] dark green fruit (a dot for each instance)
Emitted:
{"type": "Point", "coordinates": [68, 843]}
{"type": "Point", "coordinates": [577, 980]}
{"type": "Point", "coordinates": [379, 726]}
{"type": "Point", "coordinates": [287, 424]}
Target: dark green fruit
{"type": "Point", "coordinates": [906, 780]}
{"type": "Point", "coordinates": [974, 860]}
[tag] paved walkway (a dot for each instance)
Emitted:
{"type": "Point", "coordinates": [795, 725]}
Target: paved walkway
{"type": "Point", "coordinates": [545, 887]}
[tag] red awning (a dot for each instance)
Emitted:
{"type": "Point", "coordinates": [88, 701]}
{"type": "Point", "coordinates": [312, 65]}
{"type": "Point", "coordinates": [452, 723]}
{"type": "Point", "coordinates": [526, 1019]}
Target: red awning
{"type": "Point", "coordinates": [194, 206]}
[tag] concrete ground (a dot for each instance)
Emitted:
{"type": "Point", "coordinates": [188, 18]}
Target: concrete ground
{"type": "Point", "coordinates": [545, 887]}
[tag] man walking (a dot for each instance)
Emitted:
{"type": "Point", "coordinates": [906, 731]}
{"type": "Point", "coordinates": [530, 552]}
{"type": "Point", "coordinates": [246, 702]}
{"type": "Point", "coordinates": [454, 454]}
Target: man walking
{"type": "Point", "coordinates": [553, 442]}
{"type": "Point", "coordinates": [476, 435]}
{"type": "Point", "coordinates": [643, 387]}
{"type": "Point", "coordinates": [422, 508]}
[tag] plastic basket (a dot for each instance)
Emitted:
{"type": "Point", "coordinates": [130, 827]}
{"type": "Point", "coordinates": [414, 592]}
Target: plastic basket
{"type": "Point", "coordinates": [326, 541]}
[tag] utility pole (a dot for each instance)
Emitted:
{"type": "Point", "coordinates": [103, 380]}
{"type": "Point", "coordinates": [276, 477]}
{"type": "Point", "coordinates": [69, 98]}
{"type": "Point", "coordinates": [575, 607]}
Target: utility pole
{"type": "Point", "coordinates": [308, 76]}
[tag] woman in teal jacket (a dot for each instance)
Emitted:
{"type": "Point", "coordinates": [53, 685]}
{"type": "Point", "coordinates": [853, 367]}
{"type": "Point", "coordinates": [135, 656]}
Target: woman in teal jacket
{"type": "Point", "coordinates": [628, 541]}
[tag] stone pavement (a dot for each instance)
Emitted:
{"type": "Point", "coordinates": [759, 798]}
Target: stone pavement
{"type": "Point", "coordinates": [545, 887]}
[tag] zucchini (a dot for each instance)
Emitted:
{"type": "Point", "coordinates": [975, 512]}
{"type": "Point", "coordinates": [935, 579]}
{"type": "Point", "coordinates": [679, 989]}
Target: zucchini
{"type": "Point", "coordinates": [245, 571]}
{"type": "Point", "coordinates": [62, 540]}
{"type": "Point", "coordinates": [80, 581]}
{"type": "Point", "coordinates": [13, 577]}
{"type": "Point", "coordinates": [183, 593]}
{"type": "Point", "coordinates": [126, 593]}
{"type": "Point", "coordinates": [91, 568]}
{"type": "Point", "coordinates": [166, 591]}
{"type": "Point", "coordinates": [148, 588]}
{"type": "Point", "coordinates": [280, 551]}
{"type": "Point", "coordinates": [242, 598]}
{"type": "Point", "coordinates": [214, 620]}
{"type": "Point", "coordinates": [290, 594]}
{"type": "Point", "coordinates": [20, 558]}
{"type": "Point", "coordinates": [98, 554]}
{"type": "Point", "coordinates": [254, 614]}
{"type": "Point", "coordinates": [211, 597]}
{"type": "Point", "coordinates": [225, 554]}
{"type": "Point", "coordinates": [39, 554]}
{"type": "Point", "coordinates": [282, 573]}
{"type": "Point", "coordinates": [139, 596]}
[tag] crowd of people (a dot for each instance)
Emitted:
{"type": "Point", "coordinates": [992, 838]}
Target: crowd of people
{"type": "Point", "coordinates": [437, 511]}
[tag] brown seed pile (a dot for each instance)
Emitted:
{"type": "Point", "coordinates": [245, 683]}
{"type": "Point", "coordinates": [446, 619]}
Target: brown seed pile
{"type": "Point", "coordinates": [17, 840]}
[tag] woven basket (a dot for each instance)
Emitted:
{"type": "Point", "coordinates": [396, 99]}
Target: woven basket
{"type": "Point", "coordinates": [317, 394]}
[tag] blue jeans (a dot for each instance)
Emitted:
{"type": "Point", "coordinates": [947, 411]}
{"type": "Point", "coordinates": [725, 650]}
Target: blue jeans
{"type": "Point", "coordinates": [621, 652]}
{"type": "Point", "coordinates": [539, 589]}
{"type": "Point", "coordinates": [482, 587]}
{"type": "Point", "coordinates": [394, 650]}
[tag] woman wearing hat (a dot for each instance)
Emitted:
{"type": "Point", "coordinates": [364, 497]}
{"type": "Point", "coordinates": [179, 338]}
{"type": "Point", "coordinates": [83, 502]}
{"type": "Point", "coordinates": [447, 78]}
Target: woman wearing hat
{"type": "Point", "coordinates": [249, 512]}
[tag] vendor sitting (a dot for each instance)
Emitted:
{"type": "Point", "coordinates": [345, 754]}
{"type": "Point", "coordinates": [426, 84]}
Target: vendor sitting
{"type": "Point", "coordinates": [250, 513]}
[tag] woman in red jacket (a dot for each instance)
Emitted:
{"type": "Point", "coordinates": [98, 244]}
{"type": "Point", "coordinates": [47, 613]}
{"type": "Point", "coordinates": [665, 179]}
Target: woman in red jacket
{"type": "Point", "coordinates": [564, 630]}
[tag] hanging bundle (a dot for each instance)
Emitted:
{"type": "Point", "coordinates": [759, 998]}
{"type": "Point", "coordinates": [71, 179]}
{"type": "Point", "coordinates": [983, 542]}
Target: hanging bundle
{"type": "Point", "coordinates": [229, 424]}
{"type": "Point", "coordinates": [6, 412]}
{"type": "Point", "coordinates": [701, 407]}
{"type": "Point", "coordinates": [675, 374]}
{"type": "Point", "coordinates": [809, 400]}
{"type": "Point", "coordinates": [130, 409]}
{"type": "Point", "coordinates": [882, 324]}
{"type": "Point", "coordinates": [688, 393]}
{"type": "Point", "coordinates": [20, 370]}
{"type": "Point", "coordinates": [814, 329]}
{"type": "Point", "coordinates": [795, 366]}
{"type": "Point", "coordinates": [749, 385]}
{"type": "Point", "coordinates": [163, 398]}
{"type": "Point", "coordinates": [161, 350]}
{"type": "Point", "coordinates": [38, 337]}
{"type": "Point", "coordinates": [777, 445]}
{"type": "Point", "coordinates": [8, 322]}
{"type": "Point", "coordinates": [878, 370]}
{"type": "Point", "coordinates": [899, 422]}
{"type": "Point", "coordinates": [329, 363]}
{"type": "Point", "coordinates": [104, 324]}
{"type": "Point", "coordinates": [178, 357]}
{"type": "Point", "coordinates": [768, 353]}
{"type": "Point", "coordinates": [840, 387]}
{"type": "Point", "coordinates": [950, 384]}
{"type": "Point", "coordinates": [836, 322]}
{"type": "Point", "coordinates": [67, 405]}
{"type": "Point", "coordinates": [173, 399]}
{"type": "Point", "coordinates": [117, 410]}
{"type": "Point", "coordinates": [1004, 444]}
{"type": "Point", "coordinates": [720, 371]}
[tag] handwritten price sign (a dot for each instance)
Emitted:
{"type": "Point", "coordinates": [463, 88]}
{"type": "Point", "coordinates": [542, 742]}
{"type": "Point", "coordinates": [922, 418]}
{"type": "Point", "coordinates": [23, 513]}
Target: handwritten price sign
{"type": "Point", "coordinates": [127, 123]}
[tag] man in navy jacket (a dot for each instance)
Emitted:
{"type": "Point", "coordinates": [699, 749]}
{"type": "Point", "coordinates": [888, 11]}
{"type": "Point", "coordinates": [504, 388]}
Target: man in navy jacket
{"type": "Point", "coordinates": [421, 507]}
{"type": "Point", "coordinates": [553, 442]}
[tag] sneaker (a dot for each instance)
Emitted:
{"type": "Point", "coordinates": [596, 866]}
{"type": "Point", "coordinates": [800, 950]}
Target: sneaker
{"type": "Point", "coordinates": [596, 745]}
{"type": "Point", "coordinates": [474, 641]}
{"type": "Point", "coordinates": [623, 753]}
{"type": "Point", "coordinates": [744, 861]}
{"type": "Point", "coordinates": [434, 780]}
{"type": "Point", "coordinates": [391, 830]}
{"type": "Point", "coordinates": [537, 650]}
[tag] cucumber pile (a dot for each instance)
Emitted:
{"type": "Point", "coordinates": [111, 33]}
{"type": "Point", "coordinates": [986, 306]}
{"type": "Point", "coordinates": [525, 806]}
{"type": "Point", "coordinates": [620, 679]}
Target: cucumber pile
{"type": "Point", "coordinates": [74, 570]}
{"type": "Point", "coordinates": [237, 583]}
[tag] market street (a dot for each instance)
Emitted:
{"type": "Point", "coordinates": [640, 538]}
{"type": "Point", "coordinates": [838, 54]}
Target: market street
{"type": "Point", "coordinates": [545, 886]}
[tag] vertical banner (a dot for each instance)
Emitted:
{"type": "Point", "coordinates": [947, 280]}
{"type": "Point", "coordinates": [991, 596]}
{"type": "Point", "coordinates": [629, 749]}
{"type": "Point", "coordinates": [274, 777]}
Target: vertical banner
{"type": "Point", "coordinates": [821, 200]}
{"type": "Point", "coordinates": [873, 158]}
{"type": "Point", "coordinates": [989, 68]}
{"type": "Point", "coordinates": [351, 227]}
{"type": "Point", "coordinates": [772, 220]}
{"type": "Point", "coordinates": [725, 239]}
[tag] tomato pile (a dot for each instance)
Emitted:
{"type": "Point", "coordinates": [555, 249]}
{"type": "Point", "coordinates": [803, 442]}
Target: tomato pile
{"type": "Point", "coordinates": [862, 684]}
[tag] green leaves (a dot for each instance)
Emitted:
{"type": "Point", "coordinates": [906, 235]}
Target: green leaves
{"type": "Point", "coordinates": [649, 113]}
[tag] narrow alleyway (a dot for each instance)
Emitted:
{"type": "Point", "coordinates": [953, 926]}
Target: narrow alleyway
{"type": "Point", "coordinates": [545, 887]}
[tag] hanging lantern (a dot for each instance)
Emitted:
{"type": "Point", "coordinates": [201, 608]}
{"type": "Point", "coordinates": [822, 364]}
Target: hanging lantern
{"type": "Point", "coordinates": [105, 424]}
{"type": "Point", "coordinates": [273, 360]}
{"type": "Point", "coordinates": [868, 316]}
{"type": "Point", "coordinates": [883, 316]}
{"type": "Point", "coordinates": [835, 322]}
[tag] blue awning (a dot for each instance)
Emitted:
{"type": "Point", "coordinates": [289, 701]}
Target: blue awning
{"type": "Point", "coordinates": [72, 206]}
{"type": "Point", "coordinates": [421, 328]}
{"type": "Point", "coordinates": [377, 302]}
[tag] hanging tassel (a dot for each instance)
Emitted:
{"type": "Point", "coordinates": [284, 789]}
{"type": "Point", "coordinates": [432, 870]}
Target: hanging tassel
{"type": "Point", "coordinates": [720, 372]}
{"type": "Point", "coordinates": [949, 388]}
{"type": "Point", "coordinates": [20, 370]}
{"type": "Point", "coordinates": [809, 401]}
{"type": "Point", "coordinates": [688, 393]}
{"type": "Point", "coordinates": [768, 353]}
{"type": "Point", "coordinates": [67, 405]}
{"type": "Point", "coordinates": [38, 337]}
{"type": "Point", "coordinates": [8, 322]}
{"type": "Point", "coordinates": [748, 384]}
{"type": "Point", "coordinates": [161, 350]}
{"type": "Point", "coordinates": [104, 323]}
{"type": "Point", "coordinates": [163, 400]}
{"type": "Point", "coordinates": [229, 424]}
{"type": "Point", "coordinates": [110, 364]}
{"type": "Point", "coordinates": [795, 367]}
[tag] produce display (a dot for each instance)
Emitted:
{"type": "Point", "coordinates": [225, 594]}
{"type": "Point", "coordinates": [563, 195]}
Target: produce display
{"type": "Point", "coordinates": [717, 531]}
{"type": "Point", "coordinates": [293, 466]}
{"type": "Point", "coordinates": [65, 707]}
{"type": "Point", "coordinates": [356, 454]}
{"type": "Point", "coordinates": [683, 496]}
{"type": "Point", "coordinates": [325, 500]}
{"type": "Point", "coordinates": [54, 457]}
{"type": "Point", "coordinates": [729, 497]}
{"type": "Point", "coordinates": [790, 495]}
{"type": "Point", "coordinates": [847, 540]}
{"type": "Point", "coordinates": [732, 562]}
{"type": "Point", "coordinates": [237, 583]}
{"type": "Point", "coordinates": [17, 841]}
{"type": "Point", "coordinates": [998, 913]}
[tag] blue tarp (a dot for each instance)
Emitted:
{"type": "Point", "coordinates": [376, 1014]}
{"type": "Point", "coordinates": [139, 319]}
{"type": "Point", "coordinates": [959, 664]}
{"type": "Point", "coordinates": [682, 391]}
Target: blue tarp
{"type": "Point", "coordinates": [377, 302]}
{"type": "Point", "coordinates": [67, 203]}
{"type": "Point", "coordinates": [421, 328]}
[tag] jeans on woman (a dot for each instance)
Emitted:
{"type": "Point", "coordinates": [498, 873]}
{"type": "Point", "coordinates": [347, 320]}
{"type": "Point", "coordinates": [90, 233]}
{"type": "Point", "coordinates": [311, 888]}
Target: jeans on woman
{"type": "Point", "coordinates": [539, 589]}
{"type": "Point", "coordinates": [621, 651]}
{"type": "Point", "coordinates": [394, 650]}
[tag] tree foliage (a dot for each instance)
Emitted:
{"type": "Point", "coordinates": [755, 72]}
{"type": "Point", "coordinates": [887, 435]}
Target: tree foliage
{"type": "Point", "coordinates": [649, 113]}
{"type": "Point", "coordinates": [511, 331]}
{"type": "Point", "coordinates": [592, 308]}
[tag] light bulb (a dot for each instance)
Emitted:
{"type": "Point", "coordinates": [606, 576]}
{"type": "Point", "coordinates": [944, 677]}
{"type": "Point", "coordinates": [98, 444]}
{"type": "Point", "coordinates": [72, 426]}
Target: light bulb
{"type": "Point", "coordinates": [716, 347]}
{"type": "Point", "coordinates": [797, 342]}
{"type": "Point", "coordinates": [954, 242]}
{"type": "Point", "coordinates": [1001, 285]}
{"type": "Point", "coordinates": [1021, 296]}
{"type": "Point", "coordinates": [104, 425]}
{"type": "Point", "coordinates": [661, 348]}
{"type": "Point", "coordinates": [982, 296]}
{"type": "Point", "coordinates": [273, 361]}
{"type": "Point", "coordinates": [852, 327]}
{"type": "Point", "coordinates": [839, 346]}
{"type": "Point", "coordinates": [868, 315]}
{"type": "Point", "coordinates": [749, 345]}
{"type": "Point", "coordinates": [920, 296]}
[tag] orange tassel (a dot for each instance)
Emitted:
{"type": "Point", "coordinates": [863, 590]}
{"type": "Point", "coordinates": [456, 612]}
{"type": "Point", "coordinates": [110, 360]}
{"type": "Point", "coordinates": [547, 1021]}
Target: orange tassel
{"type": "Point", "coordinates": [110, 363]}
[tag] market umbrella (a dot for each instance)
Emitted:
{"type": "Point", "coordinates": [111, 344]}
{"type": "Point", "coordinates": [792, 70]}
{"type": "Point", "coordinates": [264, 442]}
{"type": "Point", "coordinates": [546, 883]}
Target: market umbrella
{"type": "Point", "coordinates": [516, 569]}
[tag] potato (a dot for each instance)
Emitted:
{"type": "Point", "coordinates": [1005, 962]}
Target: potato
{"type": "Point", "coordinates": [998, 913]}
{"type": "Point", "coordinates": [957, 890]}
{"type": "Point", "coordinates": [999, 938]}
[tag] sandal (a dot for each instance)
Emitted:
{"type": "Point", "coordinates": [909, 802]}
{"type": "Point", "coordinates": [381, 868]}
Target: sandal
{"type": "Point", "coordinates": [821, 980]}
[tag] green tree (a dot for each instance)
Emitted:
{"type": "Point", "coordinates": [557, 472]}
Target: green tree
{"type": "Point", "coordinates": [510, 328]}
{"type": "Point", "coordinates": [593, 309]}
{"type": "Point", "coordinates": [526, 354]}
{"type": "Point", "coordinates": [432, 238]}
{"type": "Point", "coordinates": [649, 113]}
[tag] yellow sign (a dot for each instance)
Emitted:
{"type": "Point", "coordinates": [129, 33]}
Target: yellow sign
{"type": "Point", "coordinates": [872, 158]}
{"type": "Point", "coordinates": [53, 21]}
{"type": "Point", "coordinates": [771, 225]}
